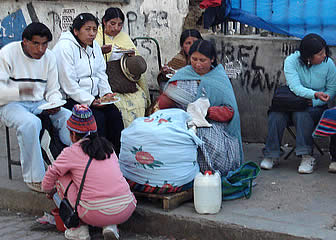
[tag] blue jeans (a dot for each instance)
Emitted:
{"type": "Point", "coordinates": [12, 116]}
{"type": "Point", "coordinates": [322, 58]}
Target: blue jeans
{"type": "Point", "coordinates": [22, 117]}
{"type": "Point", "coordinates": [304, 123]}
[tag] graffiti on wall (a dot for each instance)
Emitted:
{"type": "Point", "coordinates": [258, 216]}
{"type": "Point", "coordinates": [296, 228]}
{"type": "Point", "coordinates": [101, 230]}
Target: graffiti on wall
{"type": "Point", "coordinates": [147, 47]}
{"type": "Point", "coordinates": [156, 19]}
{"type": "Point", "coordinates": [11, 28]}
{"type": "Point", "coordinates": [241, 63]}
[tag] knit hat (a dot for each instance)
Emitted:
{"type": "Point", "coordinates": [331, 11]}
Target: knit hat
{"type": "Point", "coordinates": [82, 120]}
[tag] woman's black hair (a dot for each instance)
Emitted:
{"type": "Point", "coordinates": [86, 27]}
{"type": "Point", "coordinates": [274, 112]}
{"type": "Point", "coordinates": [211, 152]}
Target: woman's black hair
{"type": "Point", "coordinates": [189, 33]}
{"type": "Point", "coordinates": [96, 147]}
{"type": "Point", "coordinates": [111, 13]}
{"type": "Point", "coordinates": [79, 22]}
{"type": "Point", "coordinates": [206, 48]}
{"type": "Point", "coordinates": [310, 45]}
{"type": "Point", "coordinates": [36, 29]}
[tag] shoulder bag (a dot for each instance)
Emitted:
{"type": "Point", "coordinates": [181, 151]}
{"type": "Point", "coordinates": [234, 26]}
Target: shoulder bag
{"type": "Point", "coordinates": [69, 215]}
{"type": "Point", "coordinates": [284, 100]}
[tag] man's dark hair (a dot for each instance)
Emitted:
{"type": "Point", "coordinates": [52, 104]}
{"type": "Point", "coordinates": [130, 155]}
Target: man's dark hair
{"type": "Point", "coordinates": [36, 29]}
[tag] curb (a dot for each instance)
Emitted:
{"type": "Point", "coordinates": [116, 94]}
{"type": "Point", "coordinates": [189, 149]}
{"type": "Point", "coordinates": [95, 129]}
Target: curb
{"type": "Point", "coordinates": [148, 218]}
{"type": "Point", "coordinates": [155, 222]}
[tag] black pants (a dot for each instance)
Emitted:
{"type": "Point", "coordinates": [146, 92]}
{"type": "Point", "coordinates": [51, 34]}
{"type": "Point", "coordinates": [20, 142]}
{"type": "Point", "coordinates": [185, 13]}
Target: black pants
{"type": "Point", "coordinates": [332, 148]}
{"type": "Point", "coordinates": [109, 122]}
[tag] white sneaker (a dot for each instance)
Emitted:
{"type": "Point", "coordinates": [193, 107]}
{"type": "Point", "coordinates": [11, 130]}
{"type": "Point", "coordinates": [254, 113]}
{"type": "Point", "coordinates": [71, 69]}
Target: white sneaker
{"type": "Point", "coordinates": [111, 232]}
{"type": "Point", "coordinates": [332, 167]}
{"type": "Point", "coordinates": [269, 163]}
{"type": "Point", "coordinates": [81, 233]}
{"type": "Point", "coordinates": [307, 164]}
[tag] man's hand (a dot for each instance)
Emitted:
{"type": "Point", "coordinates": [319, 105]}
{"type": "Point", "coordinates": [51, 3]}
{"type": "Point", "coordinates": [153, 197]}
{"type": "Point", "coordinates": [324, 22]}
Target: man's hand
{"type": "Point", "coordinates": [27, 91]}
{"type": "Point", "coordinates": [53, 111]}
{"type": "Point", "coordinates": [322, 96]}
{"type": "Point", "coordinates": [106, 48]}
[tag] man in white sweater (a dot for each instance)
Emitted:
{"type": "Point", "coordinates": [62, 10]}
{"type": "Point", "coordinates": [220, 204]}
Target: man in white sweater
{"type": "Point", "coordinates": [28, 79]}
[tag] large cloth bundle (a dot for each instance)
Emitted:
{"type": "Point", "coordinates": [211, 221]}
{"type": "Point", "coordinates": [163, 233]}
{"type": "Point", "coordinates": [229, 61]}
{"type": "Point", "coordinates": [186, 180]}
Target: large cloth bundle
{"type": "Point", "coordinates": [160, 149]}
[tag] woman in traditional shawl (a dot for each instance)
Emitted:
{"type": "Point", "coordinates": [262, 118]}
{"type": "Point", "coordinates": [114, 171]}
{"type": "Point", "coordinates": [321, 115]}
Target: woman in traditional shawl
{"type": "Point", "coordinates": [112, 41]}
{"type": "Point", "coordinates": [222, 146]}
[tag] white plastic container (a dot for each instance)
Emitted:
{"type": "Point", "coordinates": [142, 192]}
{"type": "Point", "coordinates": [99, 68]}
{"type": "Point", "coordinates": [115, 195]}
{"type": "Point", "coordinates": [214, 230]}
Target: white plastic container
{"type": "Point", "coordinates": [207, 193]}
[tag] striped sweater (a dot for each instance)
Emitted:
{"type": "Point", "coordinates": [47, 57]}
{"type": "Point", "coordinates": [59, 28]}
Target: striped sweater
{"type": "Point", "coordinates": [18, 70]}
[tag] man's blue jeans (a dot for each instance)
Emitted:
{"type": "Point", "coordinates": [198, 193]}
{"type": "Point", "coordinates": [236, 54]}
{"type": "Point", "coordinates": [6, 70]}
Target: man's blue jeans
{"type": "Point", "coordinates": [304, 123]}
{"type": "Point", "coordinates": [22, 117]}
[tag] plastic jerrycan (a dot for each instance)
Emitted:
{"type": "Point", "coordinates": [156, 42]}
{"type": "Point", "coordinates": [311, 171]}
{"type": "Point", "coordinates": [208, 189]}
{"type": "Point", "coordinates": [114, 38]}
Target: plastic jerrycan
{"type": "Point", "coordinates": [207, 192]}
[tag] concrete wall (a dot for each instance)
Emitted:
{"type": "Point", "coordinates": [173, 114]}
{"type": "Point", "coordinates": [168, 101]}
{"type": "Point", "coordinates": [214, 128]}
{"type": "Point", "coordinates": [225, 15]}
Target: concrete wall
{"type": "Point", "coordinates": [160, 19]}
{"type": "Point", "coordinates": [254, 64]}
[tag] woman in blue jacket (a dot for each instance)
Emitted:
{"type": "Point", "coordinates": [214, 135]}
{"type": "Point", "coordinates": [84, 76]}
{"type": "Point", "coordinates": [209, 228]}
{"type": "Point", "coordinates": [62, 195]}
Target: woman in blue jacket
{"type": "Point", "coordinates": [310, 73]}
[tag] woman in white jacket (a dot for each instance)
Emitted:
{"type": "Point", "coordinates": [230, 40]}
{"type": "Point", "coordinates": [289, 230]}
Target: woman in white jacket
{"type": "Point", "coordinates": [82, 76]}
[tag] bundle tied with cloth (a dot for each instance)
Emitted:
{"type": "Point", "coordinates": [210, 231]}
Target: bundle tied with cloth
{"type": "Point", "coordinates": [197, 109]}
{"type": "Point", "coordinates": [124, 74]}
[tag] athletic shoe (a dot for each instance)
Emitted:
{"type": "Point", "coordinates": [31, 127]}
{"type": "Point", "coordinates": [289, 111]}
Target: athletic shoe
{"type": "Point", "coordinates": [111, 232]}
{"type": "Point", "coordinates": [307, 164]}
{"type": "Point", "coordinates": [80, 233]}
{"type": "Point", "coordinates": [269, 163]}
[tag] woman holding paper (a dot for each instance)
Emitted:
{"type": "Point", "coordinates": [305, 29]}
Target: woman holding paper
{"type": "Point", "coordinates": [113, 43]}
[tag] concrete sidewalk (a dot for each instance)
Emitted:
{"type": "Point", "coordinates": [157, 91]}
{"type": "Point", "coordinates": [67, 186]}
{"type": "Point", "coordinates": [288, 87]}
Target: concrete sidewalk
{"type": "Point", "coordinates": [283, 205]}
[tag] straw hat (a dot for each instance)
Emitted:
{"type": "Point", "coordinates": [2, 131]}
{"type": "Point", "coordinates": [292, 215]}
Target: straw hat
{"type": "Point", "coordinates": [123, 74]}
{"type": "Point", "coordinates": [133, 67]}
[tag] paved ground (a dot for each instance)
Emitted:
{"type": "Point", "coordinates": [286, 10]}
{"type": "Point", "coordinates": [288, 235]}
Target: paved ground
{"type": "Point", "coordinates": [22, 226]}
{"type": "Point", "coordinates": [284, 205]}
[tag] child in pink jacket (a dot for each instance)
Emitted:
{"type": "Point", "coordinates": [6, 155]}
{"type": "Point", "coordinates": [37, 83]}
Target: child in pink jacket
{"type": "Point", "coordinates": [106, 199]}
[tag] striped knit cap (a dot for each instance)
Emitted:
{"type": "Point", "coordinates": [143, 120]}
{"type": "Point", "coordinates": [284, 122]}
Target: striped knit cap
{"type": "Point", "coordinates": [82, 120]}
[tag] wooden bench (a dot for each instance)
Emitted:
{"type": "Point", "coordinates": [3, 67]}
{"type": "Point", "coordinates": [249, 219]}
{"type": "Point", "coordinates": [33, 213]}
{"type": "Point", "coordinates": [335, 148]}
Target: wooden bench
{"type": "Point", "coordinates": [169, 200]}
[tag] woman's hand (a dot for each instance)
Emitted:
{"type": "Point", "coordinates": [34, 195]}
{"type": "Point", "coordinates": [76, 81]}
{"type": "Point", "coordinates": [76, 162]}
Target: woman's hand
{"type": "Point", "coordinates": [166, 69]}
{"type": "Point", "coordinates": [132, 54]}
{"type": "Point", "coordinates": [96, 103]}
{"type": "Point", "coordinates": [110, 95]}
{"type": "Point", "coordinates": [51, 193]}
{"type": "Point", "coordinates": [322, 96]}
{"type": "Point", "coordinates": [106, 48]}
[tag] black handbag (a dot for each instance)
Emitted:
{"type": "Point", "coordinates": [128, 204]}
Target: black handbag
{"type": "Point", "coordinates": [69, 215]}
{"type": "Point", "coordinates": [284, 100]}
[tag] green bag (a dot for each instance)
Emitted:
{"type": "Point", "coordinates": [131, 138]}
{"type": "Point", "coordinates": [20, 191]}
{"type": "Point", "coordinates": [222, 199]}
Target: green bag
{"type": "Point", "coordinates": [238, 183]}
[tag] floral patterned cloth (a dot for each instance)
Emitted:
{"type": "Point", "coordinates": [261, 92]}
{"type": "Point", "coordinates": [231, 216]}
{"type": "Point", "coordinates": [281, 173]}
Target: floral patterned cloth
{"type": "Point", "coordinates": [160, 150]}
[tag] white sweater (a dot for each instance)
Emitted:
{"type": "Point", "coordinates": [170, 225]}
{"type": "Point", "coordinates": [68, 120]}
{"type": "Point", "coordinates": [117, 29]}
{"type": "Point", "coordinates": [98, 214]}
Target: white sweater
{"type": "Point", "coordinates": [18, 70]}
{"type": "Point", "coordinates": [81, 71]}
